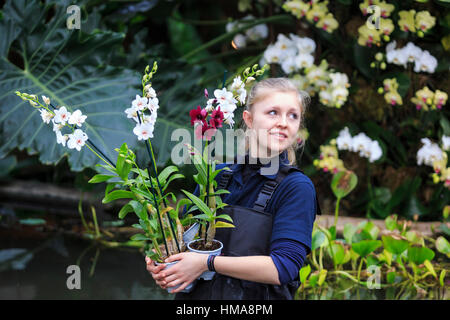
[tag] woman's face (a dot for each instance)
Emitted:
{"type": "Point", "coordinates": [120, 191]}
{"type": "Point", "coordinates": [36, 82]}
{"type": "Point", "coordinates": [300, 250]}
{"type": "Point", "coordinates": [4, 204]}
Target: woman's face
{"type": "Point", "coordinates": [274, 123]}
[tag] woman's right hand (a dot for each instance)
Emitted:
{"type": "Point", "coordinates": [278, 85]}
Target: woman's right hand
{"type": "Point", "coordinates": [154, 271]}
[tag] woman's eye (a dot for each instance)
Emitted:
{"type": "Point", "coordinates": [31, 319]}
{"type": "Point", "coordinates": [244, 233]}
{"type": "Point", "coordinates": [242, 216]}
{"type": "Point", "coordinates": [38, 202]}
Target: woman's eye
{"type": "Point", "coordinates": [294, 115]}
{"type": "Point", "coordinates": [272, 112]}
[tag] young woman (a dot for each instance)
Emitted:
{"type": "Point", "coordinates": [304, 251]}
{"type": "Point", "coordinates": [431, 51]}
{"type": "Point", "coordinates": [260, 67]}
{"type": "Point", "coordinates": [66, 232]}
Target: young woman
{"type": "Point", "coordinates": [273, 214]}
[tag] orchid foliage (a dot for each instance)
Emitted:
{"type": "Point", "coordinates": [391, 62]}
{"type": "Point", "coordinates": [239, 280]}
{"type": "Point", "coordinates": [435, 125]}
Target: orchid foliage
{"type": "Point", "coordinates": [206, 121]}
{"type": "Point", "coordinates": [159, 225]}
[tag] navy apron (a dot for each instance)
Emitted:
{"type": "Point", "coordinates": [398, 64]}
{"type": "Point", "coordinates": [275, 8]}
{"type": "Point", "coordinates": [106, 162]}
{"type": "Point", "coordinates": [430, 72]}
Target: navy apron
{"type": "Point", "coordinates": [250, 237]}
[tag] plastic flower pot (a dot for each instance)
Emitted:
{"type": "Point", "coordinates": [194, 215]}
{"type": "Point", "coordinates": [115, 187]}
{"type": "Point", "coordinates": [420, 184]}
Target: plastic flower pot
{"type": "Point", "coordinates": [190, 233]}
{"type": "Point", "coordinates": [187, 289]}
{"type": "Point", "coordinates": [207, 275]}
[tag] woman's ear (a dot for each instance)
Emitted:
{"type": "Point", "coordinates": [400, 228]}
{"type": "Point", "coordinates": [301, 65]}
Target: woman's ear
{"type": "Point", "coordinates": [247, 116]}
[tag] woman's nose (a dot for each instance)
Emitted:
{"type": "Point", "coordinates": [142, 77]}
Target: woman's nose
{"type": "Point", "coordinates": [282, 121]}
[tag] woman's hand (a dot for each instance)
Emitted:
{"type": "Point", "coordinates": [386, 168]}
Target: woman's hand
{"type": "Point", "coordinates": [155, 272]}
{"type": "Point", "coordinates": [190, 265]}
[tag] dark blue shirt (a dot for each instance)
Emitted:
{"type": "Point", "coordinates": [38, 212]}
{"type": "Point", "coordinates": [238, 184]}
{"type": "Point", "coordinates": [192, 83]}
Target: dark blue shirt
{"type": "Point", "coordinates": [293, 204]}
{"type": "Point", "coordinates": [293, 207]}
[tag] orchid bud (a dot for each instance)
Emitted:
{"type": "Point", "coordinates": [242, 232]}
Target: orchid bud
{"type": "Point", "coordinates": [46, 100]}
{"type": "Point", "coordinates": [249, 79]}
{"type": "Point", "coordinates": [383, 66]}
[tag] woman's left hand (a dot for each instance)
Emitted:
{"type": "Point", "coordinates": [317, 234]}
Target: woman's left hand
{"type": "Point", "coordinates": [190, 265]}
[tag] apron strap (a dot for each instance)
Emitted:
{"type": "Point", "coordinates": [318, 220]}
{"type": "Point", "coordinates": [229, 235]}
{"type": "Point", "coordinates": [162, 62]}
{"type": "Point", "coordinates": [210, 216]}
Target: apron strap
{"type": "Point", "coordinates": [269, 188]}
{"type": "Point", "coordinates": [225, 179]}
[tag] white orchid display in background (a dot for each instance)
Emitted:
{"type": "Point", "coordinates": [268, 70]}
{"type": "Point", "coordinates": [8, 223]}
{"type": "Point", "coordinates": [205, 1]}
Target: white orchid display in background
{"type": "Point", "coordinates": [254, 34]}
{"type": "Point", "coordinates": [422, 59]}
{"type": "Point", "coordinates": [361, 143]}
{"type": "Point", "coordinates": [295, 55]}
{"type": "Point", "coordinates": [434, 156]}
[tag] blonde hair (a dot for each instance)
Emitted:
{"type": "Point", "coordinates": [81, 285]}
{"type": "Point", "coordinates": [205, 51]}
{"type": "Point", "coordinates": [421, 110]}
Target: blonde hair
{"type": "Point", "coordinates": [261, 89]}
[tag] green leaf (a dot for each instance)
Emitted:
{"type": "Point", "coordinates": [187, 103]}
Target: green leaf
{"type": "Point", "coordinates": [139, 209]}
{"type": "Point", "coordinates": [391, 222]}
{"type": "Point", "coordinates": [125, 210]}
{"type": "Point", "coordinates": [69, 67]}
{"type": "Point", "coordinates": [365, 247]}
{"type": "Point", "coordinates": [442, 277]}
{"type": "Point", "coordinates": [222, 224]}
{"type": "Point", "coordinates": [7, 164]}
{"type": "Point", "coordinates": [390, 277]}
{"type": "Point", "coordinates": [319, 239]}
{"type": "Point", "coordinates": [343, 183]}
{"type": "Point", "coordinates": [419, 254]}
{"type": "Point", "coordinates": [349, 231]}
{"type": "Point", "coordinates": [395, 246]}
{"type": "Point", "coordinates": [32, 222]}
{"type": "Point", "coordinates": [370, 231]}
{"type": "Point", "coordinates": [199, 203]}
{"type": "Point", "coordinates": [430, 267]}
{"type": "Point", "coordinates": [304, 273]}
{"type": "Point", "coordinates": [225, 217]}
{"type": "Point", "coordinates": [166, 172]}
{"type": "Point", "coordinates": [442, 245]}
{"type": "Point", "coordinates": [100, 178]}
{"type": "Point", "coordinates": [338, 253]}
{"type": "Point", "coordinates": [139, 237]}
{"type": "Point", "coordinates": [445, 124]}
{"type": "Point", "coordinates": [118, 194]}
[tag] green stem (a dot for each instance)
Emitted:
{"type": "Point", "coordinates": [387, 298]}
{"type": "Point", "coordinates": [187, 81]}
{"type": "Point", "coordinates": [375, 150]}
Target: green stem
{"type": "Point", "coordinates": [369, 186]}
{"type": "Point", "coordinates": [94, 216]}
{"type": "Point", "coordinates": [80, 211]}
{"type": "Point", "coordinates": [100, 157]}
{"type": "Point", "coordinates": [233, 33]}
{"type": "Point", "coordinates": [94, 263]}
{"type": "Point", "coordinates": [359, 269]}
{"type": "Point", "coordinates": [336, 211]}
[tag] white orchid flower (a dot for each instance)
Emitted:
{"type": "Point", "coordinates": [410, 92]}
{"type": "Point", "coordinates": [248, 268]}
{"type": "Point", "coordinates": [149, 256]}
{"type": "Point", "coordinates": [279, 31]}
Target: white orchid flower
{"type": "Point", "coordinates": [361, 142]}
{"type": "Point", "coordinates": [412, 51]}
{"type": "Point", "coordinates": [140, 103]}
{"type": "Point", "coordinates": [306, 45]}
{"type": "Point", "coordinates": [144, 131]}
{"type": "Point", "coordinates": [289, 65]}
{"type": "Point", "coordinates": [344, 140]}
{"type": "Point", "coordinates": [77, 139]}
{"type": "Point", "coordinates": [153, 104]}
{"type": "Point", "coordinates": [446, 143]}
{"type": "Point", "coordinates": [426, 63]}
{"type": "Point", "coordinates": [77, 118]}
{"type": "Point", "coordinates": [429, 153]}
{"type": "Point", "coordinates": [240, 41]}
{"type": "Point", "coordinates": [61, 115]}
{"type": "Point", "coordinates": [61, 139]}
{"type": "Point", "coordinates": [375, 151]}
{"type": "Point", "coordinates": [46, 116]}
{"type": "Point", "coordinates": [57, 126]}
{"type": "Point", "coordinates": [272, 54]}
{"type": "Point", "coordinates": [304, 60]}
{"type": "Point", "coordinates": [46, 100]}
{"type": "Point", "coordinates": [242, 95]}
{"type": "Point", "coordinates": [132, 112]}
{"type": "Point", "coordinates": [224, 96]}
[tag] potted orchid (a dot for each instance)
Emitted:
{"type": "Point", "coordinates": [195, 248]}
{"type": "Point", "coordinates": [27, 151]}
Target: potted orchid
{"type": "Point", "coordinates": [159, 226]}
{"type": "Point", "coordinates": [206, 122]}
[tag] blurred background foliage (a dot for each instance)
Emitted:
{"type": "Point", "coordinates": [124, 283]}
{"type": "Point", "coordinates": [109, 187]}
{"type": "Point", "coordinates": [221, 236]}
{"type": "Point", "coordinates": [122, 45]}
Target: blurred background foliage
{"type": "Point", "coordinates": [97, 69]}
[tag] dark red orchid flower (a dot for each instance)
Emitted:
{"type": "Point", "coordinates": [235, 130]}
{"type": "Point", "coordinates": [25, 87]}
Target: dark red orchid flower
{"type": "Point", "coordinates": [198, 114]}
{"type": "Point", "coordinates": [216, 118]}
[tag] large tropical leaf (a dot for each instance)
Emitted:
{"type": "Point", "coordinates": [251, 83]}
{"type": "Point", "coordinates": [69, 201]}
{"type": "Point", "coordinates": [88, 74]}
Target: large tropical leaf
{"type": "Point", "coordinates": [67, 66]}
{"type": "Point", "coordinates": [71, 67]}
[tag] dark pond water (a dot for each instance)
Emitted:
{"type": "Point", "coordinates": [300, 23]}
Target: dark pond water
{"type": "Point", "coordinates": [36, 269]}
